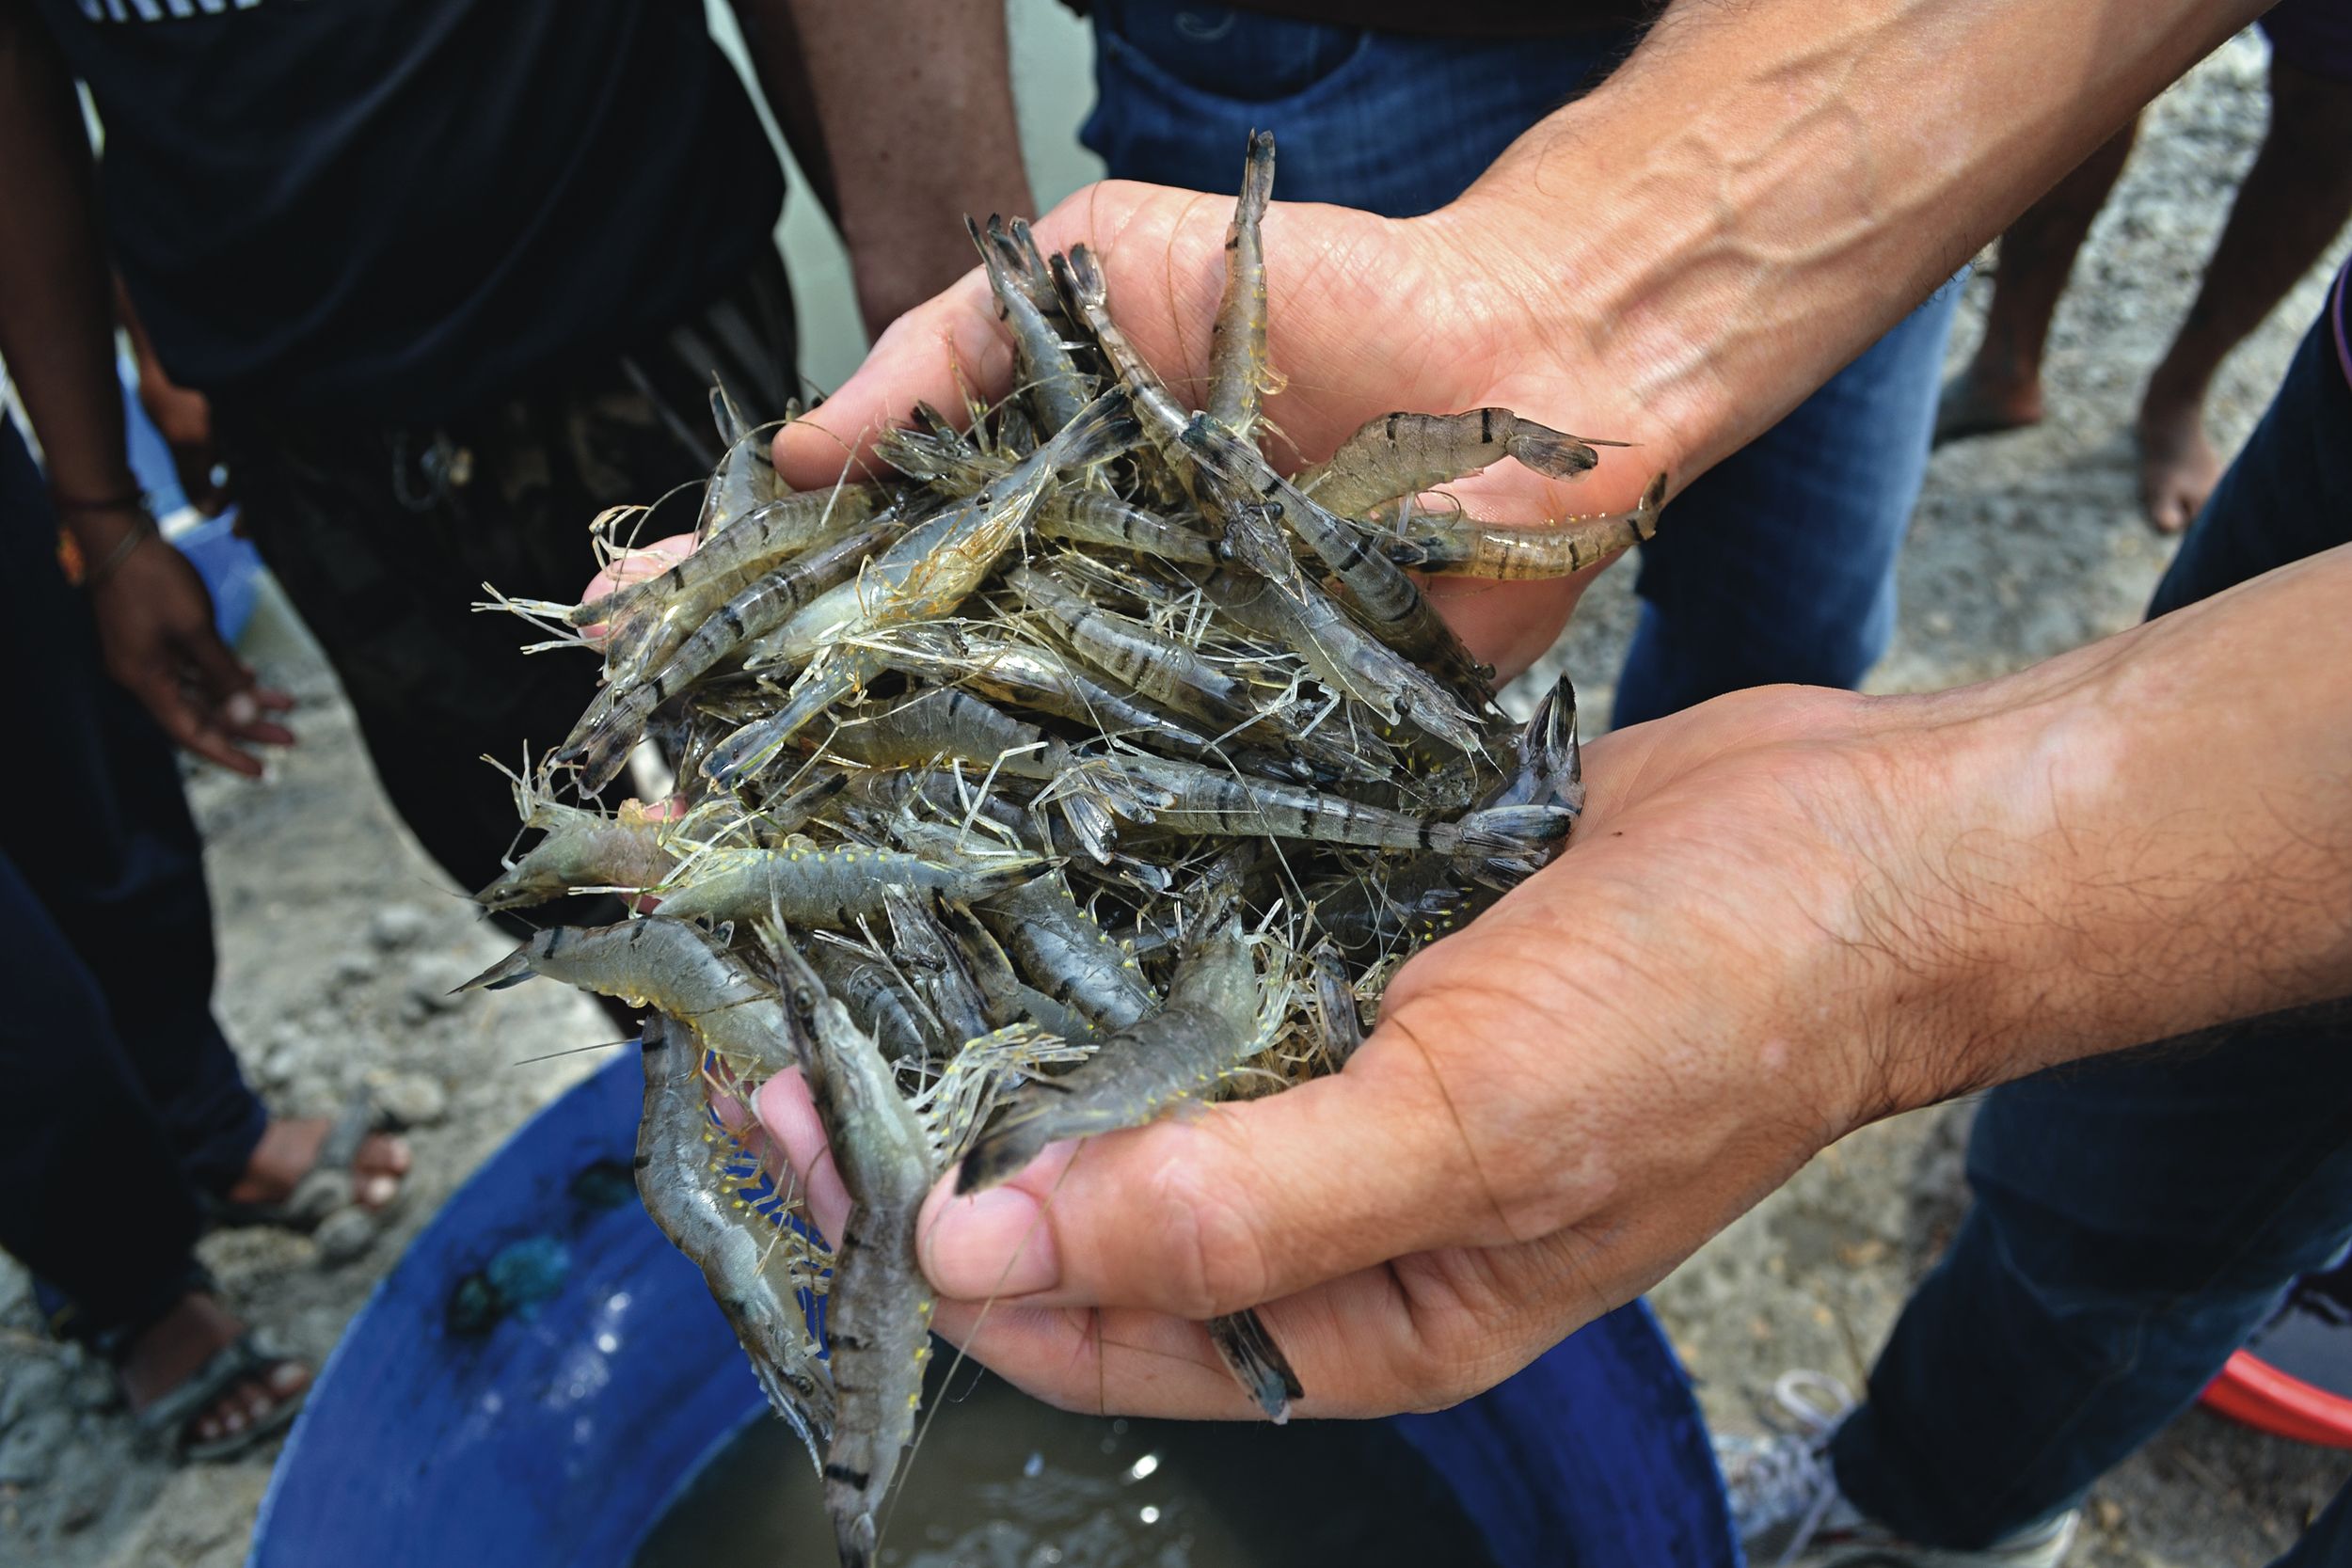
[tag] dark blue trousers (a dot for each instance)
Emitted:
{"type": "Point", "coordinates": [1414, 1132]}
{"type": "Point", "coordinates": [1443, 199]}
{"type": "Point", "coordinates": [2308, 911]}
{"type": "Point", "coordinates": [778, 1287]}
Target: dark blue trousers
{"type": "Point", "coordinates": [123, 1100]}
{"type": "Point", "coordinates": [2137, 1217]}
{"type": "Point", "coordinates": [1778, 564]}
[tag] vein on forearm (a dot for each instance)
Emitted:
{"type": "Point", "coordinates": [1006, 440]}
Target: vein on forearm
{"type": "Point", "coordinates": [1761, 191]}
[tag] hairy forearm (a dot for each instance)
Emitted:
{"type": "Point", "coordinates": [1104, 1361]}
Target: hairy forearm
{"type": "Point", "coordinates": [2147, 836]}
{"type": "Point", "coordinates": [1762, 190]}
{"type": "Point", "coordinates": [914, 101]}
{"type": "Point", "coordinates": [56, 324]}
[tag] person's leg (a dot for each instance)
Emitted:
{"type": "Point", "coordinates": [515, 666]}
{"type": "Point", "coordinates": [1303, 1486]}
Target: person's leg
{"type": "Point", "coordinates": [1776, 566]}
{"type": "Point", "coordinates": [2001, 389]}
{"type": "Point", "coordinates": [98, 1205]}
{"type": "Point", "coordinates": [2136, 1219]}
{"type": "Point", "coordinates": [2293, 203]}
{"type": "Point", "coordinates": [124, 885]}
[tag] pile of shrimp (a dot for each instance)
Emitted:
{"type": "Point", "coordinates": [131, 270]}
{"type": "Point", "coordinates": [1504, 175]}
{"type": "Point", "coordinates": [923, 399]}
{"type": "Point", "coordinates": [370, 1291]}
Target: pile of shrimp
{"type": "Point", "coordinates": [1085, 769]}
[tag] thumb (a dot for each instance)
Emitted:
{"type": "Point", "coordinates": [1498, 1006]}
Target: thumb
{"type": "Point", "coordinates": [1238, 1205]}
{"type": "Point", "coordinates": [936, 353]}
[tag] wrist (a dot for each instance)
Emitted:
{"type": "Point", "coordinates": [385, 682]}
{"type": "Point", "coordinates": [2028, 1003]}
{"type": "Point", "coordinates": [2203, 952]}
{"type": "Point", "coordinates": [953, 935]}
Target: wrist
{"type": "Point", "coordinates": [105, 531]}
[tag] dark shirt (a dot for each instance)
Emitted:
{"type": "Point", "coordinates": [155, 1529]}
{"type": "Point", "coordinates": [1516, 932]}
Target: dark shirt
{"type": "Point", "coordinates": [406, 208]}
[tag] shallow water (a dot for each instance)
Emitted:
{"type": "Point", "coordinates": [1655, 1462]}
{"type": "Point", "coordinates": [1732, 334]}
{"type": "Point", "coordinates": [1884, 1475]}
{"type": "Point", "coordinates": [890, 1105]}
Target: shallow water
{"type": "Point", "coordinates": [1003, 1482]}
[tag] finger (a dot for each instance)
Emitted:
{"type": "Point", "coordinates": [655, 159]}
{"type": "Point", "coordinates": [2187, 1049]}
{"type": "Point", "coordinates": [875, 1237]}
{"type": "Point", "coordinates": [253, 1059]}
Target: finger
{"type": "Point", "coordinates": [162, 696]}
{"type": "Point", "coordinates": [638, 563]}
{"type": "Point", "coordinates": [933, 354]}
{"type": "Point", "coordinates": [1425, 1331]}
{"type": "Point", "coordinates": [1239, 1204]}
{"type": "Point", "coordinates": [790, 1115]}
{"type": "Point", "coordinates": [241, 717]}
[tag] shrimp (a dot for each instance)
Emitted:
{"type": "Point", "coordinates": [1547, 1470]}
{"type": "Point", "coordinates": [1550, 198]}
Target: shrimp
{"type": "Point", "coordinates": [878, 1313]}
{"type": "Point", "coordinates": [925, 575]}
{"type": "Point", "coordinates": [1238, 483]}
{"type": "Point", "coordinates": [935, 966]}
{"type": "Point", "coordinates": [1056, 389]}
{"type": "Point", "coordinates": [588, 849]}
{"type": "Point", "coordinates": [1094, 519]}
{"type": "Point", "coordinates": [1065, 954]}
{"type": "Point", "coordinates": [877, 999]}
{"type": "Point", "coordinates": [1208, 1026]}
{"type": "Point", "coordinates": [1133, 655]}
{"type": "Point", "coordinates": [1341, 654]}
{"type": "Point", "coordinates": [1237, 362]}
{"type": "Point", "coordinates": [681, 970]}
{"type": "Point", "coordinates": [1185, 797]}
{"type": "Point", "coordinates": [1403, 454]}
{"type": "Point", "coordinates": [1163, 417]}
{"type": "Point", "coordinates": [833, 889]}
{"type": "Point", "coordinates": [746, 476]}
{"type": "Point", "coordinates": [601, 742]}
{"type": "Point", "coordinates": [1464, 547]}
{"type": "Point", "coordinates": [944, 722]}
{"type": "Point", "coordinates": [741, 550]}
{"type": "Point", "coordinates": [738, 1250]}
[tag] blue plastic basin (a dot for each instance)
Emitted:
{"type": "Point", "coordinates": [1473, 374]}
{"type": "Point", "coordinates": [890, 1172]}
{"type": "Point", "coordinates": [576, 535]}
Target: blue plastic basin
{"type": "Point", "coordinates": [542, 1372]}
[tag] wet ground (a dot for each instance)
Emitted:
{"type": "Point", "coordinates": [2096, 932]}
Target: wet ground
{"type": "Point", "coordinates": [339, 941]}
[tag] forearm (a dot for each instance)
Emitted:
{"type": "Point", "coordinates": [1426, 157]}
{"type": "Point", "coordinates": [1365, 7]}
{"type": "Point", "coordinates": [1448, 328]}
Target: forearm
{"type": "Point", "coordinates": [2148, 836]}
{"type": "Point", "coordinates": [56, 323]}
{"type": "Point", "coordinates": [914, 103]}
{"type": "Point", "coordinates": [1762, 190]}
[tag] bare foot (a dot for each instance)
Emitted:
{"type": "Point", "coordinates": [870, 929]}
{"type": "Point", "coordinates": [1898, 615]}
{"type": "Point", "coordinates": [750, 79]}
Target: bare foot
{"type": "Point", "coordinates": [1977, 402]}
{"type": "Point", "coordinates": [171, 1352]}
{"type": "Point", "coordinates": [290, 1149]}
{"type": "Point", "coordinates": [2178, 467]}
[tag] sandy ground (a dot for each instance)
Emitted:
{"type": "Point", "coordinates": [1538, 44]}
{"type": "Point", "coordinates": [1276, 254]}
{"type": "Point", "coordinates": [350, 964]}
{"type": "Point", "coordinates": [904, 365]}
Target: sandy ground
{"type": "Point", "coordinates": [339, 941]}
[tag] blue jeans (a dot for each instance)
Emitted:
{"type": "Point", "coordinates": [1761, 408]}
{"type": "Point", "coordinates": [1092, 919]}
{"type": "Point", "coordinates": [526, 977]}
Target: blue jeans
{"type": "Point", "coordinates": [2136, 1219]}
{"type": "Point", "coordinates": [1777, 565]}
{"type": "Point", "coordinates": [123, 1100]}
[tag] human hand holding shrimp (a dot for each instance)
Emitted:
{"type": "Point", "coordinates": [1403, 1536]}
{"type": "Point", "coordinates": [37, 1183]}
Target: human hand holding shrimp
{"type": "Point", "coordinates": [1785, 913]}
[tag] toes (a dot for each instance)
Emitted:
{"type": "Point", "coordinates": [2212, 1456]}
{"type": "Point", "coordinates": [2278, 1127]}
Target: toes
{"type": "Point", "coordinates": [374, 1192]}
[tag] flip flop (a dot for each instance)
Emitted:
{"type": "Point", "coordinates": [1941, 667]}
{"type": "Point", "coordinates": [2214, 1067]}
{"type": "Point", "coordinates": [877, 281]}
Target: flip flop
{"type": "Point", "coordinates": [327, 1186]}
{"type": "Point", "coordinates": [248, 1357]}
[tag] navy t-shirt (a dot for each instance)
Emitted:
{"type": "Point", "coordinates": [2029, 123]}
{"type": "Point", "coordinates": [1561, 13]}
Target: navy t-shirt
{"type": "Point", "coordinates": [404, 208]}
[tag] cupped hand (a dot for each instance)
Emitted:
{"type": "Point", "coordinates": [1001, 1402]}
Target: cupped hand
{"type": "Point", "coordinates": [156, 629]}
{"type": "Point", "coordinates": [1560, 1103]}
{"type": "Point", "coordinates": [1366, 316]}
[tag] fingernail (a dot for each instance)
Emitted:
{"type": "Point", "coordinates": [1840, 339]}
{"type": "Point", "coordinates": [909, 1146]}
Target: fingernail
{"type": "Point", "coordinates": [994, 1243]}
